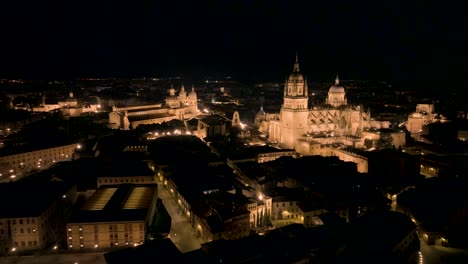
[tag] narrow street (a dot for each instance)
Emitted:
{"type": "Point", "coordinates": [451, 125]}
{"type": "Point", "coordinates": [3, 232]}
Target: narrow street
{"type": "Point", "coordinates": [442, 255]}
{"type": "Point", "coordinates": [182, 234]}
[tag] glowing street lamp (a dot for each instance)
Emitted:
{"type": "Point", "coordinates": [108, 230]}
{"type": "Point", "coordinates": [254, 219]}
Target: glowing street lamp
{"type": "Point", "coordinates": [260, 197]}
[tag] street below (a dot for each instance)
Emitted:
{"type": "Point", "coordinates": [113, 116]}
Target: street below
{"type": "Point", "coordinates": [182, 234]}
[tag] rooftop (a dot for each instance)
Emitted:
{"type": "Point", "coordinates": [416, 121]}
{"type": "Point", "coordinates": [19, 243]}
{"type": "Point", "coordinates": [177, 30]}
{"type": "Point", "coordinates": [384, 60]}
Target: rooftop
{"type": "Point", "coordinates": [126, 202]}
{"type": "Point", "coordinates": [150, 252]}
{"type": "Point", "coordinates": [148, 116]}
{"type": "Point", "coordinates": [31, 196]}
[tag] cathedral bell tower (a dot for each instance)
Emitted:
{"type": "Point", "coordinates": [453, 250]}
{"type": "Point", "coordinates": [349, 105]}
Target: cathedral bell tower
{"type": "Point", "coordinates": [294, 111]}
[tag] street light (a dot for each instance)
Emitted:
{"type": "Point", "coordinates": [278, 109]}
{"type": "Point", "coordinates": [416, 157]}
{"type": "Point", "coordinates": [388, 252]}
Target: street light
{"type": "Point", "coordinates": [260, 197]}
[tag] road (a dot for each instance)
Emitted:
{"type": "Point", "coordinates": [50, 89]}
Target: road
{"type": "Point", "coordinates": [182, 234]}
{"type": "Point", "coordinates": [79, 258]}
{"type": "Point", "coordinates": [442, 255]}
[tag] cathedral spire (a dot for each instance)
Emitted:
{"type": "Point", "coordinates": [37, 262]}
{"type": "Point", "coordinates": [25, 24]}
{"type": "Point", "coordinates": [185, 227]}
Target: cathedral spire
{"type": "Point", "coordinates": [182, 90]}
{"type": "Point", "coordinates": [296, 64]}
{"type": "Point", "coordinates": [337, 80]}
{"type": "Point", "coordinates": [172, 90]}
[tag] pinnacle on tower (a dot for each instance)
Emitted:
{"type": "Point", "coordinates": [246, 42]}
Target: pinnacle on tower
{"type": "Point", "coordinates": [296, 64]}
{"type": "Point", "coordinates": [182, 90]}
{"type": "Point", "coordinates": [172, 90]}
{"type": "Point", "coordinates": [337, 80]}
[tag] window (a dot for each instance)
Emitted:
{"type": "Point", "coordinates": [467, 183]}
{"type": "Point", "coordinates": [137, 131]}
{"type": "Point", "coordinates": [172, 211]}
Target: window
{"type": "Point", "coordinates": [14, 221]}
{"type": "Point", "coordinates": [21, 221]}
{"type": "Point", "coordinates": [23, 244]}
{"type": "Point", "coordinates": [21, 230]}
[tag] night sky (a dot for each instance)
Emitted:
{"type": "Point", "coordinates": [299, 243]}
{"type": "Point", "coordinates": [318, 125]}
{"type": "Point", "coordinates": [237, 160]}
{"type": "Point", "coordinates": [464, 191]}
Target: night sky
{"type": "Point", "coordinates": [395, 41]}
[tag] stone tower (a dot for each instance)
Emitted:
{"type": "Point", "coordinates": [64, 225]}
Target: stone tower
{"type": "Point", "coordinates": [294, 111]}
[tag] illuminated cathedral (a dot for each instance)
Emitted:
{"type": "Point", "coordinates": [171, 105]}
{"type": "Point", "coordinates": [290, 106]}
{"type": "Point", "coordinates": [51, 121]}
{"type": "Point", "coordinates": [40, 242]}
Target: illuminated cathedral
{"type": "Point", "coordinates": [303, 128]}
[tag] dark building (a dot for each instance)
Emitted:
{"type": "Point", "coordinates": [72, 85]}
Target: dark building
{"type": "Point", "coordinates": [393, 168]}
{"type": "Point", "coordinates": [383, 237]}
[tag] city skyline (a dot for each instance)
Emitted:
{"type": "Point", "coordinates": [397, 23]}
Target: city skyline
{"type": "Point", "coordinates": [402, 43]}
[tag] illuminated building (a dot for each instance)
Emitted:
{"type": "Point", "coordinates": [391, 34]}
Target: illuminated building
{"type": "Point", "coordinates": [182, 106]}
{"type": "Point", "coordinates": [14, 163]}
{"type": "Point", "coordinates": [69, 107]}
{"type": "Point", "coordinates": [114, 216]}
{"type": "Point", "coordinates": [423, 115]}
{"type": "Point", "coordinates": [301, 127]}
{"type": "Point", "coordinates": [32, 214]}
{"type": "Point", "coordinates": [133, 174]}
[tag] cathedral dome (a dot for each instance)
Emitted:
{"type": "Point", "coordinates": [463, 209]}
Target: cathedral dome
{"type": "Point", "coordinates": [296, 77]}
{"type": "Point", "coordinates": [336, 88]}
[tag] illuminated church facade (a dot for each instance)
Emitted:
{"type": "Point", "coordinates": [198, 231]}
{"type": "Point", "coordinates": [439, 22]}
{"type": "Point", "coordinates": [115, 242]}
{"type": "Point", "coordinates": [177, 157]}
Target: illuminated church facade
{"type": "Point", "coordinates": [182, 106]}
{"type": "Point", "coordinates": [306, 128]}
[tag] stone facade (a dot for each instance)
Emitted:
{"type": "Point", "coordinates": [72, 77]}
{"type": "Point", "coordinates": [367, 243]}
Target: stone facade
{"type": "Point", "coordinates": [182, 106]}
{"type": "Point", "coordinates": [297, 123]}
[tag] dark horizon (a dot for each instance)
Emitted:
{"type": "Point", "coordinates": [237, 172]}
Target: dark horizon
{"type": "Point", "coordinates": [398, 42]}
